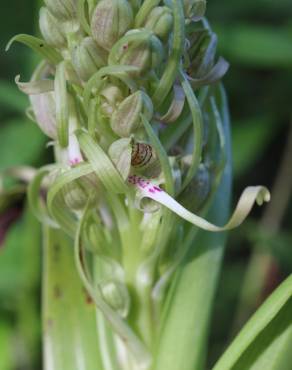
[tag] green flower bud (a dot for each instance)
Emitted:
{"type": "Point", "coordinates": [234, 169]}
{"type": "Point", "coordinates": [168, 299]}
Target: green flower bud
{"type": "Point", "coordinates": [160, 21]}
{"type": "Point", "coordinates": [111, 19]}
{"type": "Point", "coordinates": [127, 118]}
{"type": "Point", "coordinates": [75, 196]}
{"type": "Point", "coordinates": [196, 193]}
{"type": "Point", "coordinates": [50, 29]}
{"type": "Point", "coordinates": [194, 9]}
{"type": "Point", "coordinates": [139, 48]}
{"type": "Point", "coordinates": [77, 193]}
{"type": "Point", "coordinates": [87, 58]}
{"type": "Point", "coordinates": [116, 295]}
{"type": "Point", "coordinates": [62, 9]}
{"type": "Point", "coordinates": [110, 97]}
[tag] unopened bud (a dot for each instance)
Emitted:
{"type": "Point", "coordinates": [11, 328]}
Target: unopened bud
{"type": "Point", "coordinates": [127, 118]}
{"type": "Point", "coordinates": [62, 9]}
{"type": "Point", "coordinates": [75, 196]}
{"type": "Point", "coordinates": [194, 9]}
{"type": "Point", "coordinates": [50, 29]}
{"type": "Point", "coordinates": [110, 97]}
{"type": "Point", "coordinates": [87, 58]}
{"type": "Point", "coordinates": [139, 48]}
{"type": "Point", "coordinates": [116, 295]}
{"type": "Point", "coordinates": [159, 21]}
{"type": "Point", "coordinates": [196, 193]}
{"type": "Point", "coordinates": [111, 19]}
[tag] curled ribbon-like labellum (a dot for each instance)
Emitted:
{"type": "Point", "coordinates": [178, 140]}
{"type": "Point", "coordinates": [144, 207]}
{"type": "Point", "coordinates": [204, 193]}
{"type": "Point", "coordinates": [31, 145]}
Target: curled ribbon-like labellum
{"type": "Point", "coordinates": [251, 194]}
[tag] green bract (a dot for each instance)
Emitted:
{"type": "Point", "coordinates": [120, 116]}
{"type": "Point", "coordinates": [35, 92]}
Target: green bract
{"type": "Point", "coordinates": [129, 93]}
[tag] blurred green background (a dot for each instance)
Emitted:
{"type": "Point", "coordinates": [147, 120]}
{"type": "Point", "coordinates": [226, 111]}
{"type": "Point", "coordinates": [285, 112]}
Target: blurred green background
{"type": "Point", "coordinates": [255, 36]}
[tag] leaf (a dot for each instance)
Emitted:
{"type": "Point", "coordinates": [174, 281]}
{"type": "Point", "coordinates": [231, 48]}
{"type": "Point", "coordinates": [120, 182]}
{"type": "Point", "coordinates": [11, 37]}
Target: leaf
{"type": "Point", "coordinates": [183, 340]}
{"type": "Point", "coordinates": [69, 323]}
{"type": "Point", "coordinates": [265, 338]}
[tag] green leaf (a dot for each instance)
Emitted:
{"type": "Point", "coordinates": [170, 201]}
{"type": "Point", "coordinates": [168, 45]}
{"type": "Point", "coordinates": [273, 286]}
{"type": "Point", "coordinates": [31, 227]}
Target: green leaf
{"type": "Point", "coordinates": [69, 322]}
{"type": "Point", "coordinates": [183, 340]}
{"type": "Point", "coordinates": [263, 343]}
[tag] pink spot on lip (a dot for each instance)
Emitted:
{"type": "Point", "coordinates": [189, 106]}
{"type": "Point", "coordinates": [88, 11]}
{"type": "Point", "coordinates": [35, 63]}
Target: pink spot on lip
{"type": "Point", "coordinates": [151, 190]}
{"type": "Point", "coordinates": [157, 188]}
{"type": "Point", "coordinates": [74, 161]}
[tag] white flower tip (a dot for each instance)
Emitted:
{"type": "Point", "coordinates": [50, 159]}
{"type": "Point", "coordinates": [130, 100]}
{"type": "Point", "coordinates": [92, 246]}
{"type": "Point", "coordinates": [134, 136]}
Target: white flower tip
{"type": "Point", "coordinates": [263, 196]}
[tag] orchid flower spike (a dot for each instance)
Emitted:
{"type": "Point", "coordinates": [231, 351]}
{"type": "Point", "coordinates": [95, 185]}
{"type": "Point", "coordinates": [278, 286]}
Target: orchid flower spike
{"type": "Point", "coordinates": [129, 93]}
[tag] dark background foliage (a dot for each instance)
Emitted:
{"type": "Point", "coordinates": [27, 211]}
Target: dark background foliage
{"type": "Point", "coordinates": [255, 36]}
